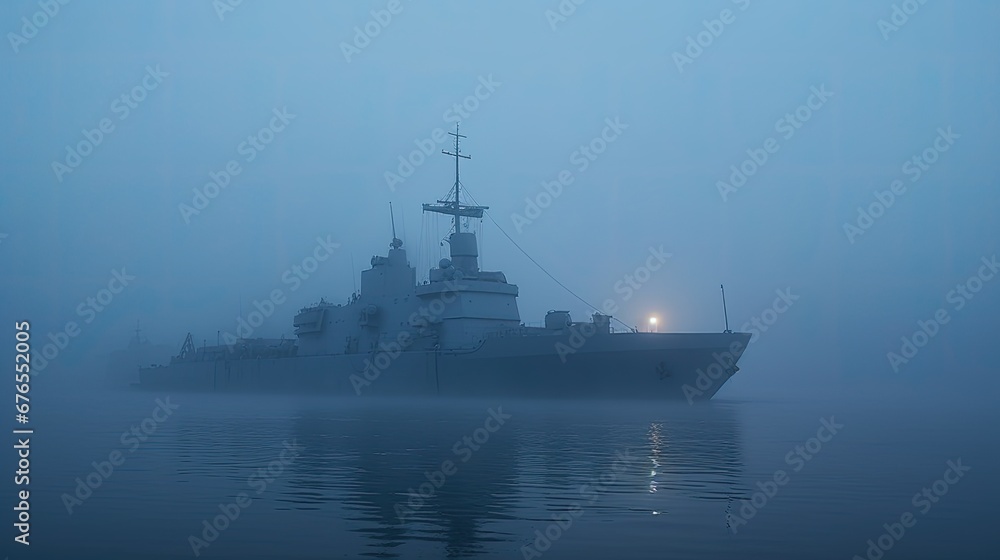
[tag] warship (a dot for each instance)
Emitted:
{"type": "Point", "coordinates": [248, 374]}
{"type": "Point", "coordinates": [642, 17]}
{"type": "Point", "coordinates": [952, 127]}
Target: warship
{"type": "Point", "coordinates": [458, 333]}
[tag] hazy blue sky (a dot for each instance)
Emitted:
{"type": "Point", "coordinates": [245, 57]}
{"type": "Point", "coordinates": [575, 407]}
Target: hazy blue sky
{"type": "Point", "coordinates": [209, 78]}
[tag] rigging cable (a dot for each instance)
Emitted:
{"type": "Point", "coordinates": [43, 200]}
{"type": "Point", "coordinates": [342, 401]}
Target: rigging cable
{"type": "Point", "coordinates": [540, 267]}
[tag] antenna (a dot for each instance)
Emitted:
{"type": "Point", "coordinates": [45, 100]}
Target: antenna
{"type": "Point", "coordinates": [396, 242]}
{"type": "Point", "coordinates": [724, 308]}
{"type": "Point", "coordinates": [393, 220]}
{"type": "Point", "coordinates": [457, 154]}
{"type": "Point", "coordinates": [354, 280]}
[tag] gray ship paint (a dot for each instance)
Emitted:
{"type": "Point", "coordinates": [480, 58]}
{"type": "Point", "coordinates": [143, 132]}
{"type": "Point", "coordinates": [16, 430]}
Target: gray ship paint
{"type": "Point", "coordinates": [458, 334]}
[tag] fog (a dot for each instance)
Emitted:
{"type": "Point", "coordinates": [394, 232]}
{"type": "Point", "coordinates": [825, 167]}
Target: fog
{"type": "Point", "coordinates": [648, 111]}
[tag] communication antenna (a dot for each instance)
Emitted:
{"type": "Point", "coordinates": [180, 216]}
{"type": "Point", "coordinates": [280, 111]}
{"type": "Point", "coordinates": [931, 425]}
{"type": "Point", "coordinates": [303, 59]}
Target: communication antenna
{"type": "Point", "coordinates": [724, 311]}
{"type": "Point", "coordinates": [354, 281]}
{"type": "Point", "coordinates": [396, 242]}
{"type": "Point", "coordinates": [457, 154]}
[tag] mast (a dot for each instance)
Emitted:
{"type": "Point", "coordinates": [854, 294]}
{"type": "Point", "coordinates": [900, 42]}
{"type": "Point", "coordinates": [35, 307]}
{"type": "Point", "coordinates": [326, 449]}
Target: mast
{"type": "Point", "coordinates": [726, 312]}
{"type": "Point", "coordinates": [392, 220]}
{"type": "Point", "coordinates": [396, 242]}
{"type": "Point", "coordinates": [454, 207]}
{"type": "Point", "coordinates": [457, 154]}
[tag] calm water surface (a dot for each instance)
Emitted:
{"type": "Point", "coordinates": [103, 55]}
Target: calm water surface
{"type": "Point", "coordinates": [315, 477]}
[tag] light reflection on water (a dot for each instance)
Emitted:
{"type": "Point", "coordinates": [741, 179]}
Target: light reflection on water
{"type": "Point", "coordinates": [566, 480]}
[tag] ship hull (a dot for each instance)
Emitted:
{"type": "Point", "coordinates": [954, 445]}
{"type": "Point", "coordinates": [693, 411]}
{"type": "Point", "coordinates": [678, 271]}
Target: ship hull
{"type": "Point", "coordinates": [626, 365]}
{"type": "Point", "coordinates": [123, 365]}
